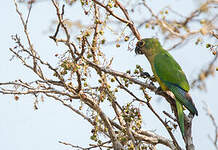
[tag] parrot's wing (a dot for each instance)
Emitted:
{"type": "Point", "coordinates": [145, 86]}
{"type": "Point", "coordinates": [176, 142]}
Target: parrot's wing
{"type": "Point", "coordinates": [171, 74]}
{"type": "Point", "coordinates": [169, 70]}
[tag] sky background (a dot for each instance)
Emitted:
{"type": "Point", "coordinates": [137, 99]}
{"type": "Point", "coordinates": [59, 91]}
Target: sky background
{"type": "Point", "coordinates": [23, 128]}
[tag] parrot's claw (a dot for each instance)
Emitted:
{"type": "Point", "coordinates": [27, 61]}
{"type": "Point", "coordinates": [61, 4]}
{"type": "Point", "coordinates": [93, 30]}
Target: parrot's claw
{"type": "Point", "coordinates": [145, 74]}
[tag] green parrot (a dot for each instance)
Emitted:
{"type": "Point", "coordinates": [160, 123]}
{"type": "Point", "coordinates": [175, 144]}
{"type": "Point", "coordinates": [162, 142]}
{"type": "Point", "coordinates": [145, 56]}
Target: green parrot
{"type": "Point", "coordinates": [169, 75]}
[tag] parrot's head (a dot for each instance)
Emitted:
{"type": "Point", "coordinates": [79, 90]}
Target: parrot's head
{"type": "Point", "coordinates": [147, 46]}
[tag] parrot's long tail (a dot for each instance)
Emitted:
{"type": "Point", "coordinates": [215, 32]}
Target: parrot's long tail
{"type": "Point", "coordinates": [180, 117]}
{"type": "Point", "coordinates": [183, 97]}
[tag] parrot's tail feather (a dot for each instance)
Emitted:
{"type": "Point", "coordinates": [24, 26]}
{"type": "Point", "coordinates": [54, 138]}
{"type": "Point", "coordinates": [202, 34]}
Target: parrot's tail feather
{"type": "Point", "coordinates": [180, 117]}
{"type": "Point", "coordinates": [183, 97]}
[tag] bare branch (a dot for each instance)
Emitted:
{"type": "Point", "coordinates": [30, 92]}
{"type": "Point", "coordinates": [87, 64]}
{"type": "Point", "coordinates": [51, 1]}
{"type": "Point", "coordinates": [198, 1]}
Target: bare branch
{"type": "Point", "coordinates": [210, 115]}
{"type": "Point", "coordinates": [128, 21]}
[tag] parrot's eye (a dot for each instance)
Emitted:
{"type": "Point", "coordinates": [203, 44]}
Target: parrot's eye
{"type": "Point", "coordinates": [141, 43]}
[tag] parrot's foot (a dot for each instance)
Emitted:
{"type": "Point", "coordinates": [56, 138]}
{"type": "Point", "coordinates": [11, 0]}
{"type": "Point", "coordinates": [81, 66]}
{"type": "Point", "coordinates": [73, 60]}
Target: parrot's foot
{"type": "Point", "coordinates": [147, 75]}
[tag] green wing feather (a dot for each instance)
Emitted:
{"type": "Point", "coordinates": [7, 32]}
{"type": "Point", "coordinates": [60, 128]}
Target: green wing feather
{"type": "Point", "coordinates": [182, 96]}
{"type": "Point", "coordinates": [169, 70]}
{"type": "Point", "coordinates": [171, 74]}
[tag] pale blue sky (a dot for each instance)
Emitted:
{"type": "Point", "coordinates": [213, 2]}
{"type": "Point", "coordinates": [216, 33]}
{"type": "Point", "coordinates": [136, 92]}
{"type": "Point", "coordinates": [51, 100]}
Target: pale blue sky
{"type": "Point", "coordinates": [23, 128]}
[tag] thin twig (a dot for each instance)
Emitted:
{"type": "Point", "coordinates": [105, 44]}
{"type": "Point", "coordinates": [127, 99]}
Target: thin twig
{"type": "Point", "coordinates": [215, 140]}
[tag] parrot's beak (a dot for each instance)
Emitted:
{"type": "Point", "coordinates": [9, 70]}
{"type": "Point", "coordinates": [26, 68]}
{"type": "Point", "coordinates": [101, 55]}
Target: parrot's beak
{"type": "Point", "coordinates": [138, 50]}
